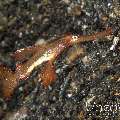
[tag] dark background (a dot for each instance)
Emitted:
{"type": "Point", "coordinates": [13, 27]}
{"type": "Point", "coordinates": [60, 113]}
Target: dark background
{"type": "Point", "coordinates": [88, 88]}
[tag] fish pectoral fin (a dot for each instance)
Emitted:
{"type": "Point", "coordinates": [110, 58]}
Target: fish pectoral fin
{"type": "Point", "coordinates": [47, 75]}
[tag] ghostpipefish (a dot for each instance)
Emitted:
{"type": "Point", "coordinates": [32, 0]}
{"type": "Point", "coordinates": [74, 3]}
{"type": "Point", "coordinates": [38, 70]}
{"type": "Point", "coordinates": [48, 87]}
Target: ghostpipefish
{"type": "Point", "coordinates": [31, 57]}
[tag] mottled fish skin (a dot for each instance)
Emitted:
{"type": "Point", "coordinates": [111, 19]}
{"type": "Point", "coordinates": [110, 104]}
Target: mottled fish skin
{"type": "Point", "coordinates": [40, 55]}
{"type": "Point", "coordinates": [8, 81]}
{"type": "Point", "coordinates": [48, 53]}
{"type": "Point", "coordinates": [52, 50]}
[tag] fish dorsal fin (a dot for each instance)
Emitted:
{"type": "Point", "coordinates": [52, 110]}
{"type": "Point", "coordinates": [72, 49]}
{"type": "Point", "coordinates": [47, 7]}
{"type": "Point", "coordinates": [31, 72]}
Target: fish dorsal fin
{"type": "Point", "coordinates": [26, 53]}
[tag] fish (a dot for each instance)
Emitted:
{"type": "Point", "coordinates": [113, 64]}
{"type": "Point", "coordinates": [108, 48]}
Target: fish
{"type": "Point", "coordinates": [29, 58]}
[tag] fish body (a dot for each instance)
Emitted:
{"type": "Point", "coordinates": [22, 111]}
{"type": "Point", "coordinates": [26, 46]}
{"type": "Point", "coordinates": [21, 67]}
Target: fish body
{"type": "Point", "coordinates": [41, 55]}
